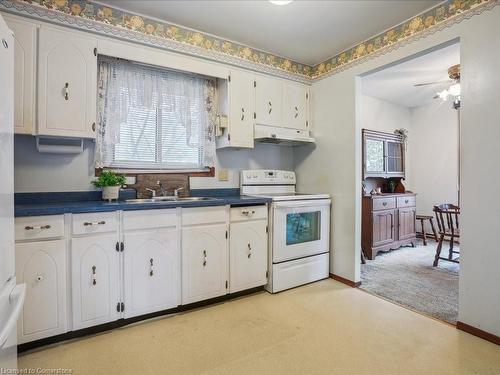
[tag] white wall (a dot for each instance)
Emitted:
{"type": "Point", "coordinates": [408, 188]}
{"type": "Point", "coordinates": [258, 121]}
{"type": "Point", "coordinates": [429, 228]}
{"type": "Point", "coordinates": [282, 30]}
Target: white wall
{"type": "Point", "coordinates": [334, 165]}
{"type": "Point", "coordinates": [433, 139]}
{"type": "Point", "coordinates": [384, 116]}
{"type": "Point", "coordinates": [36, 172]}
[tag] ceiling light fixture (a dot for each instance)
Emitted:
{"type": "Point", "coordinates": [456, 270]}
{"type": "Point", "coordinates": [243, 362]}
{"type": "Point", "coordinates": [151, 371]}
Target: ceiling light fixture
{"type": "Point", "coordinates": [280, 2]}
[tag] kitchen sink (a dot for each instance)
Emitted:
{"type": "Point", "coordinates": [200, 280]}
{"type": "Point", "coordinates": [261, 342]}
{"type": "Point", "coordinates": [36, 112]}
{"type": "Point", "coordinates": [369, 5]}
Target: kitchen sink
{"type": "Point", "coordinates": [169, 199]}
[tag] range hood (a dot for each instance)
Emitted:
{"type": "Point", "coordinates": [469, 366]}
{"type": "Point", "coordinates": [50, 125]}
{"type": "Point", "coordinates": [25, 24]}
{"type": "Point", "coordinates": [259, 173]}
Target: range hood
{"type": "Point", "coordinates": [281, 136]}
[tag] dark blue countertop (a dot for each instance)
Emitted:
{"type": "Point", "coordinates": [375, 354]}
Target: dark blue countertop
{"type": "Point", "coordinates": [32, 204]}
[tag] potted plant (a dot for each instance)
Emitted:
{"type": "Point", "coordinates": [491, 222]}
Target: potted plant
{"type": "Point", "coordinates": [110, 182]}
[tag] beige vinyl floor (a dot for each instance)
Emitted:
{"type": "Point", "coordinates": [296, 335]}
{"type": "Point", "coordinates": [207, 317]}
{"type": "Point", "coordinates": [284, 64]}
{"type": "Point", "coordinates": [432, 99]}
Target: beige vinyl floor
{"type": "Point", "coordinates": [321, 328]}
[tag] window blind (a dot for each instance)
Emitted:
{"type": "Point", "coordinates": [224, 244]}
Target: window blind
{"type": "Point", "coordinates": [151, 118]}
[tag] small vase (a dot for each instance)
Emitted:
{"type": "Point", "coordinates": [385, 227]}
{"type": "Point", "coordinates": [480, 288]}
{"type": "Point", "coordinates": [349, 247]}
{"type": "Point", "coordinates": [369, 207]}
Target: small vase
{"type": "Point", "coordinates": [110, 193]}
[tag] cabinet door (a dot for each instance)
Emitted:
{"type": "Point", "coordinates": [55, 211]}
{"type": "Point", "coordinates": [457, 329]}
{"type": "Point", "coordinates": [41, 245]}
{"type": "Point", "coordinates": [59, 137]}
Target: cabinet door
{"type": "Point", "coordinates": [24, 74]}
{"type": "Point", "coordinates": [205, 263]}
{"type": "Point", "coordinates": [295, 106]}
{"type": "Point", "coordinates": [383, 227]}
{"type": "Point", "coordinates": [407, 219]}
{"type": "Point", "coordinates": [151, 271]}
{"type": "Point", "coordinates": [268, 101]}
{"type": "Point", "coordinates": [247, 255]}
{"type": "Point", "coordinates": [395, 160]}
{"type": "Point", "coordinates": [42, 267]}
{"type": "Point", "coordinates": [374, 163]}
{"type": "Point", "coordinates": [241, 109]}
{"type": "Point", "coordinates": [67, 84]}
{"type": "Point", "coordinates": [95, 280]}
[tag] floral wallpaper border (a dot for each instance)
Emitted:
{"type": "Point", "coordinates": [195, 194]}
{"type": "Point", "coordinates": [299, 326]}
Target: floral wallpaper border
{"type": "Point", "coordinates": [434, 19]}
{"type": "Point", "coordinates": [96, 17]}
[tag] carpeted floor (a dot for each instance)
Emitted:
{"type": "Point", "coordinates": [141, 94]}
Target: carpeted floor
{"type": "Point", "coordinates": [406, 276]}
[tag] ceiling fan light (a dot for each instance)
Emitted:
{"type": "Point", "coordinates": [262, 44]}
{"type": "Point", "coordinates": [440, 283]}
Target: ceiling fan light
{"type": "Point", "coordinates": [280, 2]}
{"type": "Point", "coordinates": [443, 95]}
{"type": "Point", "coordinates": [454, 89]}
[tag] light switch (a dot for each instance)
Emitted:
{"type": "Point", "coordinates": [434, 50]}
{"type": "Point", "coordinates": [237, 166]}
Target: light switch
{"type": "Point", "coordinates": [223, 175]}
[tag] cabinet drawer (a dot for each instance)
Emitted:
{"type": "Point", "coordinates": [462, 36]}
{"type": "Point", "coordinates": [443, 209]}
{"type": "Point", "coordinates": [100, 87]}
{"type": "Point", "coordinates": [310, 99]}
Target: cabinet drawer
{"type": "Point", "coordinates": [101, 222]}
{"type": "Point", "coordinates": [384, 203]}
{"type": "Point", "coordinates": [248, 213]}
{"type": "Point", "coordinates": [204, 215]}
{"type": "Point", "coordinates": [149, 219]}
{"type": "Point", "coordinates": [39, 227]}
{"type": "Point", "coordinates": [408, 201]}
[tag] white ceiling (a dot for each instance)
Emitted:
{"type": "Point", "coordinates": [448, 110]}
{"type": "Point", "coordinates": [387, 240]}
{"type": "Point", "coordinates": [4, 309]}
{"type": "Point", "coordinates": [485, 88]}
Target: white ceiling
{"type": "Point", "coordinates": [306, 31]}
{"type": "Point", "coordinates": [396, 83]}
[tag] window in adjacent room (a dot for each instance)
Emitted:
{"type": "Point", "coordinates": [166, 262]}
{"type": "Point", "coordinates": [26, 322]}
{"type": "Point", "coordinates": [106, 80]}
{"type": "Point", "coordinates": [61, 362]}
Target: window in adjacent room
{"type": "Point", "coordinates": [154, 119]}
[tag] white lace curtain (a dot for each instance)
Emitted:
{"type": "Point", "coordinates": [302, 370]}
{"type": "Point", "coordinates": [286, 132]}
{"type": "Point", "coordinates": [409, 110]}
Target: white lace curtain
{"type": "Point", "coordinates": [154, 118]}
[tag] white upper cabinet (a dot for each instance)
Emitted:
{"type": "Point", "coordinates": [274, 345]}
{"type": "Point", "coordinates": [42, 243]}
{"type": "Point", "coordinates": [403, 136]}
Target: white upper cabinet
{"type": "Point", "coordinates": [67, 79]}
{"type": "Point", "coordinates": [24, 74]}
{"type": "Point", "coordinates": [268, 101]}
{"type": "Point", "coordinates": [296, 97]}
{"type": "Point", "coordinates": [240, 110]}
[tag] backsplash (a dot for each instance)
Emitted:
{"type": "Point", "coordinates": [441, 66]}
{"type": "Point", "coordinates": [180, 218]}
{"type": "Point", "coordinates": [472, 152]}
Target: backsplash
{"type": "Point", "coordinates": [169, 181]}
{"type": "Point", "coordinates": [36, 172]}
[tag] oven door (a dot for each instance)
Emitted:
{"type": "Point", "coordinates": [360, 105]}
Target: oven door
{"type": "Point", "coordinates": [300, 229]}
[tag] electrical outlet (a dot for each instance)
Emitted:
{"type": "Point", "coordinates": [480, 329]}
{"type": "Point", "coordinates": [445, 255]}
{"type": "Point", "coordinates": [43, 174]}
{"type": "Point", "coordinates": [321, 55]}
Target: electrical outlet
{"type": "Point", "coordinates": [223, 175]}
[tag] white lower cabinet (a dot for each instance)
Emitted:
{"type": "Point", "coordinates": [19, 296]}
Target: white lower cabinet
{"type": "Point", "coordinates": [205, 262]}
{"type": "Point", "coordinates": [42, 266]}
{"type": "Point", "coordinates": [248, 255]}
{"type": "Point", "coordinates": [95, 280]}
{"type": "Point", "coordinates": [151, 271]}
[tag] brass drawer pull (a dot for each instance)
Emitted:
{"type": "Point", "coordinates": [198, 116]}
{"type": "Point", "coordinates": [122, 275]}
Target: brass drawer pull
{"type": "Point", "coordinates": [94, 277]}
{"type": "Point", "coordinates": [247, 212]}
{"type": "Point", "coordinates": [384, 203]}
{"type": "Point", "coordinates": [40, 227]}
{"type": "Point", "coordinates": [92, 223]}
{"type": "Point", "coordinates": [406, 200]}
{"type": "Point", "coordinates": [249, 251]}
{"type": "Point", "coordinates": [66, 91]}
{"type": "Point", "coordinates": [204, 258]}
{"type": "Point", "coordinates": [151, 267]}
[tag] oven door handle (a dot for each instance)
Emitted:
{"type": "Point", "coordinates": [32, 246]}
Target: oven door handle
{"type": "Point", "coordinates": [303, 203]}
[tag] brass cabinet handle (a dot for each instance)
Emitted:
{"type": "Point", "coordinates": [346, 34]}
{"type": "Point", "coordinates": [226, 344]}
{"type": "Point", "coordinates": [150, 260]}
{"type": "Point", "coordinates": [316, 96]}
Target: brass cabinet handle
{"type": "Point", "coordinates": [384, 203]}
{"type": "Point", "coordinates": [151, 267]}
{"type": "Point", "coordinates": [242, 114]}
{"type": "Point", "coordinates": [40, 227]}
{"type": "Point", "coordinates": [249, 251]}
{"type": "Point", "coordinates": [66, 91]}
{"type": "Point", "coordinates": [296, 112]}
{"type": "Point", "coordinates": [92, 223]}
{"type": "Point", "coordinates": [94, 277]}
{"type": "Point", "coordinates": [270, 107]}
{"type": "Point", "coordinates": [406, 200]}
{"type": "Point", "coordinates": [204, 258]}
{"type": "Point", "coordinates": [5, 44]}
{"type": "Point", "coordinates": [93, 126]}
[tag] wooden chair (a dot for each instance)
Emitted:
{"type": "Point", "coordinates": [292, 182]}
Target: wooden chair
{"type": "Point", "coordinates": [448, 228]}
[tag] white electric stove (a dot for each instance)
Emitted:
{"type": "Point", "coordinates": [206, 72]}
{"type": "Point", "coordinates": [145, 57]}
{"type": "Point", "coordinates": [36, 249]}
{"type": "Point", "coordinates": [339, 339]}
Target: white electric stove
{"type": "Point", "coordinates": [299, 228]}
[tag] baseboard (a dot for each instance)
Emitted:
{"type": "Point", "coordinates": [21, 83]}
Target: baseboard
{"type": "Point", "coordinates": [479, 333]}
{"type": "Point", "coordinates": [345, 281]}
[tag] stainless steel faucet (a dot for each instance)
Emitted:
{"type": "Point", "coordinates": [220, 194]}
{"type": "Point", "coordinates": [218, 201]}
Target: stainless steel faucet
{"type": "Point", "coordinates": [163, 192]}
{"type": "Point", "coordinates": [153, 192]}
{"type": "Point", "coordinates": [176, 191]}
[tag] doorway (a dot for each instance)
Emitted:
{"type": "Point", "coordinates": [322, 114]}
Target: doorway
{"type": "Point", "coordinates": [411, 167]}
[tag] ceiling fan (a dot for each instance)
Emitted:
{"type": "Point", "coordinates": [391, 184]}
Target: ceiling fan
{"type": "Point", "coordinates": [453, 73]}
{"type": "Point", "coordinates": [453, 90]}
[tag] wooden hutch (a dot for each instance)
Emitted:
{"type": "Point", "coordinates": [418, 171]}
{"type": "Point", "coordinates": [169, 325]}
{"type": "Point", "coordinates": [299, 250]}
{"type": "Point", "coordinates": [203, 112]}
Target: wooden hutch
{"type": "Point", "coordinates": [388, 219]}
